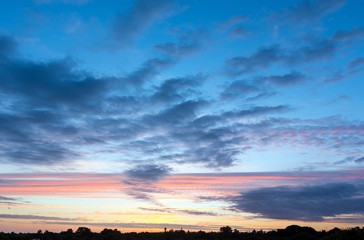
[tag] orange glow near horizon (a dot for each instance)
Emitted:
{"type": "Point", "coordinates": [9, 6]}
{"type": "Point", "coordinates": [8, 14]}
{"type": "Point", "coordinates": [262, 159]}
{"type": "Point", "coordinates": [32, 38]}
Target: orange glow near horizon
{"type": "Point", "coordinates": [103, 201]}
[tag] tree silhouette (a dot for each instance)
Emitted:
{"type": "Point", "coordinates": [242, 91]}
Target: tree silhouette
{"type": "Point", "coordinates": [226, 230]}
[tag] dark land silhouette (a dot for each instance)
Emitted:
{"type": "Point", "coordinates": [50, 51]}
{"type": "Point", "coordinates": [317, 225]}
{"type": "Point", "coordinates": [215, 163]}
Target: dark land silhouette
{"type": "Point", "coordinates": [292, 232]}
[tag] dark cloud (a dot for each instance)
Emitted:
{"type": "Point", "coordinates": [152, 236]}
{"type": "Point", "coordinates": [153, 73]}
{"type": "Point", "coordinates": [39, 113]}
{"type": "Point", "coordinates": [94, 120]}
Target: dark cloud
{"type": "Point", "coordinates": [7, 199]}
{"type": "Point", "coordinates": [338, 99]}
{"type": "Point", "coordinates": [183, 211]}
{"type": "Point", "coordinates": [257, 111]}
{"type": "Point", "coordinates": [147, 71]}
{"type": "Point", "coordinates": [260, 96]}
{"type": "Point", "coordinates": [232, 22]}
{"type": "Point", "coordinates": [359, 160]}
{"type": "Point", "coordinates": [345, 160]}
{"type": "Point", "coordinates": [239, 31]}
{"type": "Point", "coordinates": [52, 110]}
{"type": "Point", "coordinates": [215, 155]}
{"type": "Point", "coordinates": [128, 26]}
{"type": "Point", "coordinates": [265, 57]}
{"type": "Point", "coordinates": [262, 58]}
{"type": "Point", "coordinates": [10, 201]}
{"type": "Point", "coordinates": [49, 101]}
{"type": "Point", "coordinates": [35, 217]}
{"type": "Point", "coordinates": [50, 84]}
{"type": "Point", "coordinates": [238, 88]}
{"type": "Point", "coordinates": [209, 143]}
{"type": "Point", "coordinates": [148, 173]}
{"type": "Point", "coordinates": [143, 195]}
{"type": "Point", "coordinates": [141, 179]}
{"type": "Point", "coordinates": [38, 153]}
{"type": "Point", "coordinates": [27, 144]}
{"type": "Point", "coordinates": [305, 203]}
{"type": "Point", "coordinates": [142, 226]}
{"type": "Point", "coordinates": [286, 80]}
{"type": "Point", "coordinates": [177, 89]}
{"type": "Point", "coordinates": [177, 49]}
{"type": "Point", "coordinates": [195, 212]}
{"type": "Point", "coordinates": [354, 67]}
{"type": "Point", "coordinates": [175, 115]}
{"type": "Point", "coordinates": [216, 147]}
{"type": "Point", "coordinates": [75, 2]}
{"type": "Point", "coordinates": [316, 50]}
{"type": "Point", "coordinates": [356, 63]}
{"type": "Point", "coordinates": [189, 43]}
{"type": "Point", "coordinates": [42, 101]}
{"type": "Point", "coordinates": [354, 34]}
{"type": "Point", "coordinates": [213, 145]}
{"type": "Point", "coordinates": [310, 11]}
{"type": "Point", "coordinates": [7, 46]}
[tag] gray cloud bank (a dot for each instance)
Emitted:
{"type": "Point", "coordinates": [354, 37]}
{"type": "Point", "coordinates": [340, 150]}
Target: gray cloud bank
{"type": "Point", "coordinates": [305, 203]}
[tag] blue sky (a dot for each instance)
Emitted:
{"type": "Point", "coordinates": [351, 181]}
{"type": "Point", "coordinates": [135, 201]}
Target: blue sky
{"type": "Point", "coordinates": [137, 94]}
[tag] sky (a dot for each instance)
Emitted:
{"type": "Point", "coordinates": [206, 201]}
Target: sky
{"type": "Point", "coordinates": [143, 115]}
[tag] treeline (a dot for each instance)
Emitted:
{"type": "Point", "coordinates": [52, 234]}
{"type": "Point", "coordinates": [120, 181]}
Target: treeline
{"type": "Point", "coordinates": [292, 232]}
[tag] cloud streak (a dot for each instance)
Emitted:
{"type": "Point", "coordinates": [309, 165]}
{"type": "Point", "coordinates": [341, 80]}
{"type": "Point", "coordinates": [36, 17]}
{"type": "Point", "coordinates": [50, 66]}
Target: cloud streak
{"type": "Point", "coordinates": [311, 11]}
{"type": "Point", "coordinates": [128, 26]}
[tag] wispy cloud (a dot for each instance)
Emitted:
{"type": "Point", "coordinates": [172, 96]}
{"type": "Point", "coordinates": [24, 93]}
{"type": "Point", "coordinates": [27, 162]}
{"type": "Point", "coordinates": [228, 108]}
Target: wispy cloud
{"type": "Point", "coordinates": [35, 217]}
{"type": "Point", "coordinates": [128, 26]}
{"type": "Point", "coordinates": [190, 42]}
{"type": "Point", "coordinates": [310, 11]}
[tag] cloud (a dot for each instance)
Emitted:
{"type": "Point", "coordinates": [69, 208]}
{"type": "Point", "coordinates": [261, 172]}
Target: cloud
{"type": "Point", "coordinates": [142, 177]}
{"type": "Point", "coordinates": [53, 111]}
{"type": "Point", "coordinates": [175, 115]}
{"type": "Point", "coordinates": [75, 2]}
{"type": "Point", "coordinates": [231, 22]}
{"type": "Point", "coordinates": [286, 80]}
{"type": "Point", "coordinates": [357, 33]}
{"type": "Point", "coordinates": [43, 99]}
{"type": "Point", "coordinates": [147, 71]}
{"type": "Point", "coordinates": [190, 42]}
{"type": "Point", "coordinates": [265, 57]}
{"type": "Point", "coordinates": [354, 67]}
{"type": "Point", "coordinates": [359, 160]}
{"type": "Point", "coordinates": [260, 96]}
{"type": "Point", "coordinates": [180, 211]}
{"type": "Point", "coordinates": [7, 199]}
{"type": "Point", "coordinates": [11, 201]}
{"type": "Point", "coordinates": [142, 226]}
{"type": "Point", "coordinates": [211, 144]}
{"type": "Point", "coordinates": [315, 50]}
{"type": "Point", "coordinates": [309, 11]}
{"type": "Point", "coordinates": [304, 203]}
{"type": "Point", "coordinates": [176, 89]}
{"type": "Point", "coordinates": [257, 111]}
{"type": "Point", "coordinates": [50, 84]}
{"type": "Point", "coordinates": [345, 160]}
{"type": "Point", "coordinates": [260, 59]}
{"type": "Point", "coordinates": [38, 152]}
{"type": "Point", "coordinates": [239, 31]}
{"type": "Point", "coordinates": [338, 99]}
{"type": "Point", "coordinates": [7, 46]}
{"type": "Point", "coordinates": [195, 212]}
{"type": "Point", "coordinates": [238, 88]}
{"type": "Point", "coordinates": [356, 63]}
{"type": "Point", "coordinates": [35, 217]}
{"type": "Point", "coordinates": [129, 26]}
{"type": "Point", "coordinates": [148, 172]}
{"type": "Point", "coordinates": [143, 194]}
